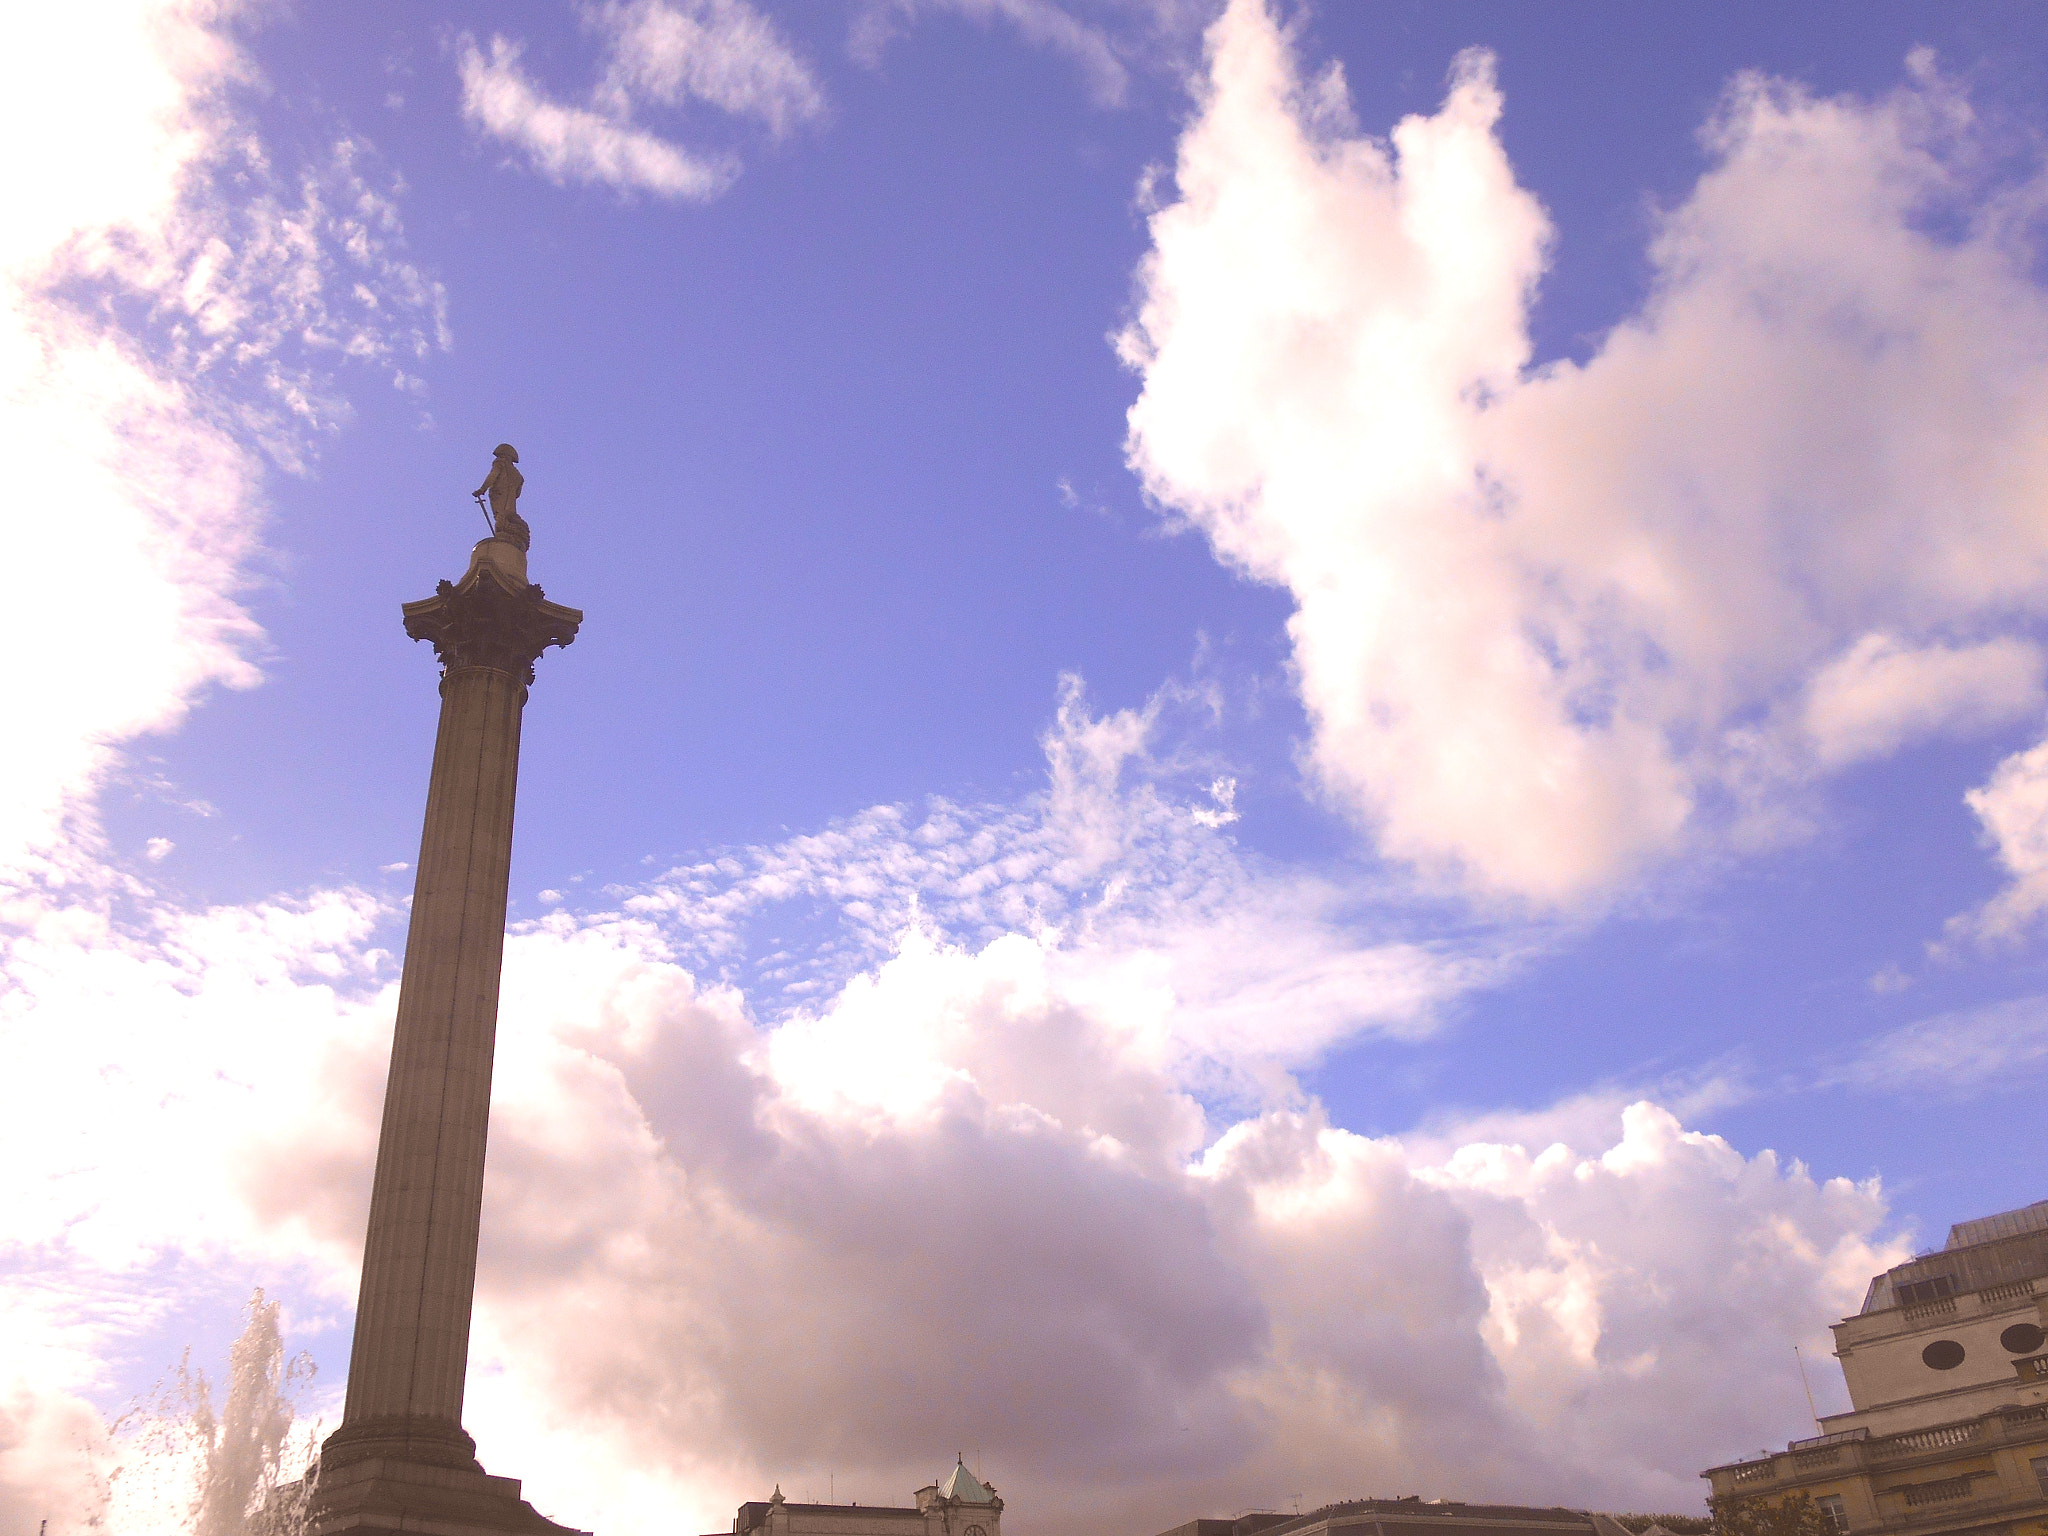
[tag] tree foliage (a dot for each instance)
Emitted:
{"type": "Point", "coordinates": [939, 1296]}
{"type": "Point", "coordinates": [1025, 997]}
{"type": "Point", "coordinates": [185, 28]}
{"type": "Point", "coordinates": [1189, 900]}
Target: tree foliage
{"type": "Point", "coordinates": [1794, 1515]}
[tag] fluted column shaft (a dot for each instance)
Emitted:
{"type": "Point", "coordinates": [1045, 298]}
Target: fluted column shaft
{"type": "Point", "coordinates": [400, 1460]}
{"type": "Point", "coordinates": [419, 1261]}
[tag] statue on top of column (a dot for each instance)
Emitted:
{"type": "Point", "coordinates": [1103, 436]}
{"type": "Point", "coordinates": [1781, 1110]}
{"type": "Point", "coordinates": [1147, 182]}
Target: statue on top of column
{"type": "Point", "coordinates": [503, 485]}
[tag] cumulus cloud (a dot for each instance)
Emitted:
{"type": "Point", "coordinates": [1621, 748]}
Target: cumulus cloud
{"type": "Point", "coordinates": [657, 54]}
{"type": "Point", "coordinates": [1011, 1157]}
{"type": "Point", "coordinates": [140, 1153]}
{"type": "Point", "coordinates": [2012, 808]}
{"type": "Point", "coordinates": [56, 1333]}
{"type": "Point", "coordinates": [989, 1168]}
{"type": "Point", "coordinates": [1555, 623]}
{"type": "Point", "coordinates": [985, 1164]}
{"type": "Point", "coordinates": [707, 1240]}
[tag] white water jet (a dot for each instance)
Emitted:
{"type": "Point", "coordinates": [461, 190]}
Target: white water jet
{"type": "Point", "coordinates": [217, 1473]}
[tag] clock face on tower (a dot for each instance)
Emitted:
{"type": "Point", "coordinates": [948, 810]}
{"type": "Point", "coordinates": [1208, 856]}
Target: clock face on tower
{"type": "Point", "coordinates": [974, 1530]}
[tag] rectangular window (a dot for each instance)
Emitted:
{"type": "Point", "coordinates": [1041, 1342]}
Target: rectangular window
{"type": "Point", "coordinates": [1915, 1292]}
{"type": "Point", "coordinates": [2040, 1465]}
{"type": "Point", "coordinates": [1831, 1506]}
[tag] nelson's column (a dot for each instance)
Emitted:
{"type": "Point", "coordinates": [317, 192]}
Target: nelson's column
{"type": "Point", "coordinates": [401, 1460]}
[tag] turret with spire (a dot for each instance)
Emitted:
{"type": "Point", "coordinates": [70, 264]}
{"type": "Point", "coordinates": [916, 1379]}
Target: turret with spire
{"type": "Point", "coordinates": [959, 1504]}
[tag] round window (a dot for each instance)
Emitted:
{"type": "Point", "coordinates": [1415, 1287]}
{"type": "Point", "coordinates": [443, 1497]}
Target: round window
{"type": "Point", "coordinates": [2022, 1339]}
{"type": "Point", "coordinates": [1943, 1354]}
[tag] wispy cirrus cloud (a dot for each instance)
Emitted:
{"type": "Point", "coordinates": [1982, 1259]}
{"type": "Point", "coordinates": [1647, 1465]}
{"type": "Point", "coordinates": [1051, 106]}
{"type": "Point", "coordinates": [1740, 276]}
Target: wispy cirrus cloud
{"type": "Point", "coordinates": [658, 53]}
{"type": "Point", "coordinates": [720, 52]}
{"type": "Point", "coordinates": [2002, 1044]}
{"type": "Point", "coordinates": [1091, 46]}
{"type": "Point", "coordinates": [567, 143]}
{"type": "Point", "coordinates": [1120, 882]}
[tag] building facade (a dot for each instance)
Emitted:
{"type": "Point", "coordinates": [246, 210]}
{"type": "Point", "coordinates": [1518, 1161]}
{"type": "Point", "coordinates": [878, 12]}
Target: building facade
{"type": "Point", "coordinates": [1947, 1369]}
{"type": "Point", "coordinates": [960, 1504]}
{"type": "Point", "coordinates": [1410, 1517]}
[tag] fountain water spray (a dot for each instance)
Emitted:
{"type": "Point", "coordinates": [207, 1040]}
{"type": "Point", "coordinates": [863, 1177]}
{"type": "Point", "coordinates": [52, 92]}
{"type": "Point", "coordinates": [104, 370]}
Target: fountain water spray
{"type": "Point", "coordinates": [218, 1473]}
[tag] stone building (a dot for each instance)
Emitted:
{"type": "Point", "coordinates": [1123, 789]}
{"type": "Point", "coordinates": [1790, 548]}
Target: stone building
{"type": "Point", "coordinates": [959, 1505]}
{"type": "Point", "coordinates": [1947, 1368]}
{"type": "Point", "coordinates": [1410, 1517]}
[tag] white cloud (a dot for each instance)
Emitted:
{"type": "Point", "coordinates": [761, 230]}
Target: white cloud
{"type": "Point", "coordinates": [161, 519]}
{"type": "Point", "coordinates": [1998, 1045]}
{"type": "Point", "coordinates": [243, 286]}
{"type": "Point", "coordinates": [1553, 625]}
{"type": "Point", "coordinates": [989, 1166]}
{"type": "Point", "coordinates": [56, 1334]}
{"type": "Point", "coordinates": [45, 1464]}
{"type": "Point", "coordinates": [1039, 22]}
{"type": "Point", "coordinates": [147, 192]}
{"type": "Point", "coordinates": [657, 53]}
{"type": "Point", "coordinates": [2013, 810]}
{"type": "Point", "coordinates": [1018, 1141]}
{"type": "Point", "coordinates": [1224, 792]}
{"type": "Point", "coordinates": [707, 1241]}
{"type": "Point", "coordinates": [170, 1057]}
{"type": "Point", "coordinates": [723, 52]}
{"type": "Point", "coordinates": [1124, 886]}
{"type": "Point", "coordinates": [575, 143]}
{"type": "Point", "coordinates": [1879, 694]}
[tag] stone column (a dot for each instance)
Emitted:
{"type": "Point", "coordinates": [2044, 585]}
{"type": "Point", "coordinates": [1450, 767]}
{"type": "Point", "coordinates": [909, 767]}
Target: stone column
{"type": "Point", "coordinates": [401, 1456]}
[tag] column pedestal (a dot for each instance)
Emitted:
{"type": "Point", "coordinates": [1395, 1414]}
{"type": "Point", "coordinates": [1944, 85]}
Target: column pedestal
{"type": "Point", "coordinates": [404, 1498]}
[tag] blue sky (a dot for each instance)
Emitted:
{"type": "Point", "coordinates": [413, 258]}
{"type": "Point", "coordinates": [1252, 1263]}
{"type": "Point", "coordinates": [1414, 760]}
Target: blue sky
{"type": "Point", "coordinates": [1215, 625]}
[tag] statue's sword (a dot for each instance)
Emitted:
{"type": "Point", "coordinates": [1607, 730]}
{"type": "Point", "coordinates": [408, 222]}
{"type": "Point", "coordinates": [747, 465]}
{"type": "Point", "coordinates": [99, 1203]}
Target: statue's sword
{"type": "Point", "coordinates": [489, 521]}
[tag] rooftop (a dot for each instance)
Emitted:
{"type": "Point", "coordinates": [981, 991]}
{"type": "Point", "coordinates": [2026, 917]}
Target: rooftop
{"type": "Point", "coordinates": [1985, 1229]}
{"type": "Point", "coordinates": [963, 1485]}
{"type": "Point", "coordinates": [1990, 1251]}
{"type": "Point", "coordinates": [1444, 1514]}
